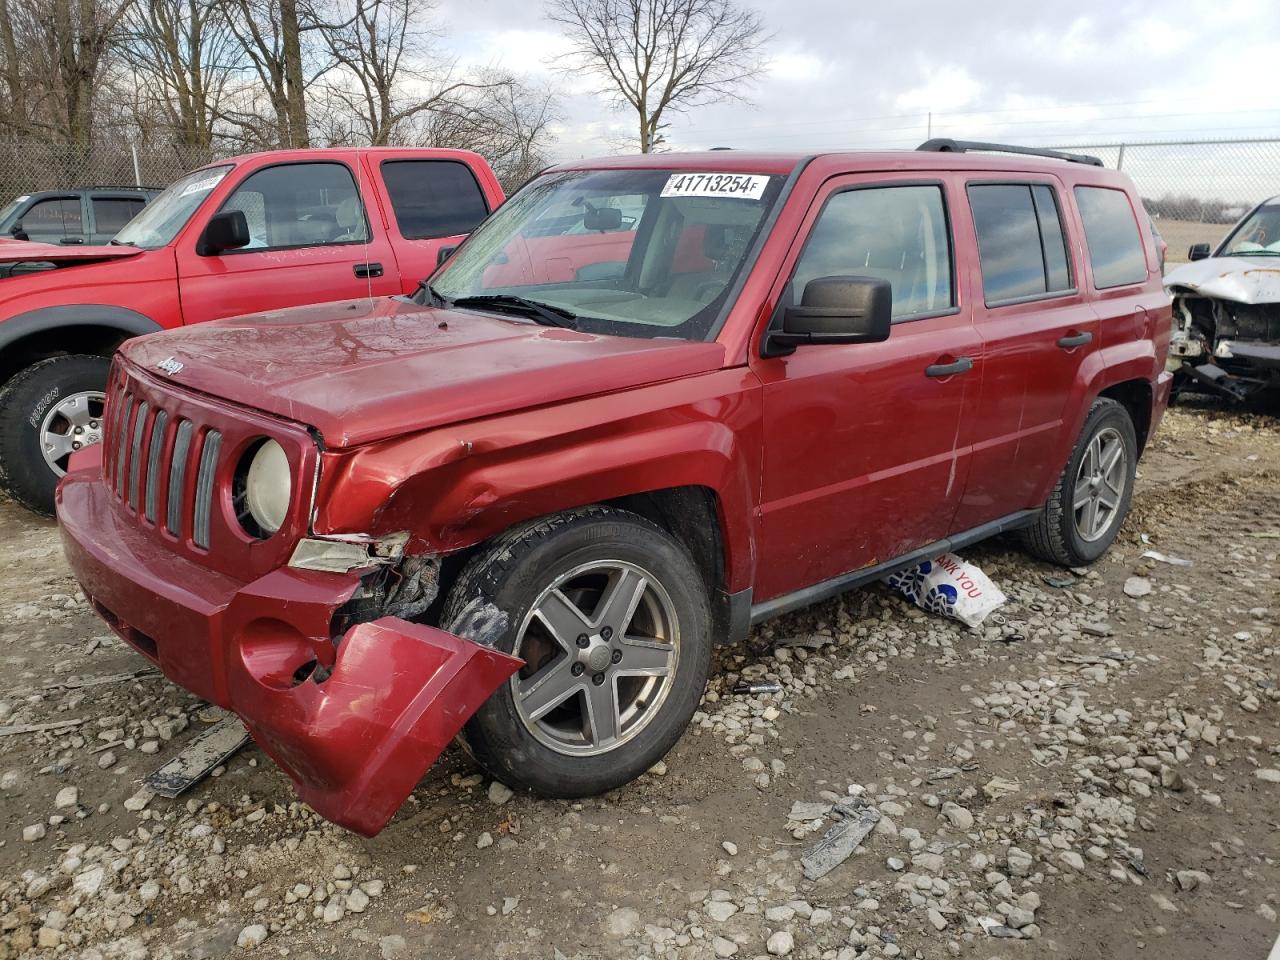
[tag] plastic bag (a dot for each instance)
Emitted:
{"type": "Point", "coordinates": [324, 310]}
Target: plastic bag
{"type": "Point", "coordinates": [951, 587]}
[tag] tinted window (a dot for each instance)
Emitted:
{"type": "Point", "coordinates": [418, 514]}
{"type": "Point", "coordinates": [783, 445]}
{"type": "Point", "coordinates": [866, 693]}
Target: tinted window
{"type": "Point", "coordinates": [300, 205]}
{"type": "Point", "coordinates": [1115, 246]}
{"type": "Point", "coordinates": [1020, 241]}
{"type": "Point", "coordinates": [53, 219]}
{"type": "Point", "coordinates": [433, 198]}
{"type": "Point", "coordinates": [1057, 271]}
{"type": "Point", "coordinates": [897, 234]}
{"type": "Point", "coordinates": [110, 214]}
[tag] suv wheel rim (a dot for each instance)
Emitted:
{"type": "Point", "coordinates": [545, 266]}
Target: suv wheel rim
{"type": "Point", "coordinates": [601, 645]}
{"type": "Point", "coordinates": [1099, 487]}
{"type": "Point", "coordinates": [71, 424]}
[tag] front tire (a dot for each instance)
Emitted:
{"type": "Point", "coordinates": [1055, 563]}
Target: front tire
{"type": "Point", "coordinates": [1088, 505]}
{"type": "Point", "coordinates": [611, 615]}
{"type": "Point", "coordinates": [47, 412]}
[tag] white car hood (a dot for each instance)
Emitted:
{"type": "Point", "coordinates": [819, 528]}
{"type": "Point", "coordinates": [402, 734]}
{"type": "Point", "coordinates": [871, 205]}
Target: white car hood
{"type": "Point", "coordinates": [1240, 279]}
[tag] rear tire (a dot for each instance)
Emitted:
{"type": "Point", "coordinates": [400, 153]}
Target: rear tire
{"type": "Point", "coordinates": [1088, 505]}
{"type": "Point", "coordinates": [592, 709]}
{"type": "Point", "coordinates": [41, 407]}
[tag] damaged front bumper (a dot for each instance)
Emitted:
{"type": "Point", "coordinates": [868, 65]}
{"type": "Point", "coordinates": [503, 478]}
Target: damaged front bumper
{"type": "Point", "coordinates": [354, 723]}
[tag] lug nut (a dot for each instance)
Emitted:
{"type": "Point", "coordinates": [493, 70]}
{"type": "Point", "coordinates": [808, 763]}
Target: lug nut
{"type": "Point", "coordinates": [577, 669]}
{"type": "Point", "coordinates": [583, 640]}
{"type": "Point", "coordinates": [607, 633]}
{"type": "Point", "coordinates": [79, 430]}
{"type": "Point", "coordinates": [617, 656]}
{"type": "Point", "coordinates": [75, 445]}
{"type": "Point", "coordinates": [598, 679]}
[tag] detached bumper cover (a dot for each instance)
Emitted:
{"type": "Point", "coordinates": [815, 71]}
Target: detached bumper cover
{"type": "Point", "coordinates": [355, 743]}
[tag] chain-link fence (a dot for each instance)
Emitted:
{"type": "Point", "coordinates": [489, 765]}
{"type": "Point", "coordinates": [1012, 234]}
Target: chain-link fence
{"type": "Point", "coordinates": [1195, 190]}
{"type": "Point", "coordinates": [26, 167]}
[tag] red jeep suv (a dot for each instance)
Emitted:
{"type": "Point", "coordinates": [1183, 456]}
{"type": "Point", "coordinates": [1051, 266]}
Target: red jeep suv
{"type": "Point", "coordinates": [650, 402]}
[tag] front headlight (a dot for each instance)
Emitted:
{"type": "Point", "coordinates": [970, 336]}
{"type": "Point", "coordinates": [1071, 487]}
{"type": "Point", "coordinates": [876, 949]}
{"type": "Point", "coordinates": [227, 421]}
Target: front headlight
{"type": "Point", "coordinates": [267, 488]}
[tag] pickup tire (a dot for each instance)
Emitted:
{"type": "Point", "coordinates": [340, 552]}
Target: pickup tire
{"type": "Point", "coordinates": [1088, 505]}
{"type": "Point", "coordinates": [43, 401]}
{"type": "Point", "coordinates": [611, 615]}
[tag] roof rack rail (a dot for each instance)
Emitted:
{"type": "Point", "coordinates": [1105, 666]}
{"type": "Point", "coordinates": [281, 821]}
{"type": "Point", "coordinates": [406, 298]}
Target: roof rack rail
{"type": "Point", "coordinates": [946, 145]}
{"type": "Point", "coordinates": [116, 186]}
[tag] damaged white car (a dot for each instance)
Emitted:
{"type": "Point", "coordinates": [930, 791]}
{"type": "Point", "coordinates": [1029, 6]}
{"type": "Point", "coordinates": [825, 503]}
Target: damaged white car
{"type": "Point", "coordinates": [1226, 309]}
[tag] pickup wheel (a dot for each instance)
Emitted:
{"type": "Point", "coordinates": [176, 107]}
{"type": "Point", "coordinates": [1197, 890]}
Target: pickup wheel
{"type": "Point", "coordinates": [47, 412]}
{"type": "Point", "coordinates": [611, 617]}
{"type": "Point", "coordinates": [1091, 499]}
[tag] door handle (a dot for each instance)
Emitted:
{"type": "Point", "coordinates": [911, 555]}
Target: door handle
{"type": "Point", "coordinates": [69, 240]}
{"type": "Point", "coordinates": [958, 365]}
{"type": "Point", "coordinates": [1075, 340]}
{"type": "Point", "coordinates": [366, 270]}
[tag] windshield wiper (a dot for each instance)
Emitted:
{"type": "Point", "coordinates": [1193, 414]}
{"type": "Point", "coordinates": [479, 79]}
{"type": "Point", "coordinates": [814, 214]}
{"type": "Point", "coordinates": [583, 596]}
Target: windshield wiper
{"type": "Point", "coordinates": [434, 297]}
{"type": "Point", "coordinates": [543, 313]}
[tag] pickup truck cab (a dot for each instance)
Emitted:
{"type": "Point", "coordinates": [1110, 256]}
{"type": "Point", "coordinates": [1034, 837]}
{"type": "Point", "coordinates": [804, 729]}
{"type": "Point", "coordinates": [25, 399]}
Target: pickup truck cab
{"type": "Point", "coordinates": [91, 215]}
{"type": "Point", "coordinates": [650, 402]}
{"type": "Point", "coordinates": [256, 232]}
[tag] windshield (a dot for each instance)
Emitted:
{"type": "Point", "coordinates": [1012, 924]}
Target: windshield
{"type": "Point", "coordinates": [638, 253]}
{"type": "Point", "coordinates": [160, 221]}
{"type": "Point", "coordinates": [1257, 235]}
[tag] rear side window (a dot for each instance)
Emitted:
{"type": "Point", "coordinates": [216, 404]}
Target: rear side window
{"type": "Point", "coordinates": [1021, 243]}
{"type": "Point", "coordinates": [1115, 245]}
{"type": "Point", "coordinates": [897, 234]}
{"type": "Point", "coordinates": [112, 213]}
{"type": "Point", "coordinates": [433, 198]}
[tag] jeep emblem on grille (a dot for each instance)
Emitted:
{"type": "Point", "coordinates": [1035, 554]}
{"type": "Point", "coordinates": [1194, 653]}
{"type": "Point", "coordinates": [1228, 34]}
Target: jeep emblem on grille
{"type": "Point", "coordinates": [170, 366]}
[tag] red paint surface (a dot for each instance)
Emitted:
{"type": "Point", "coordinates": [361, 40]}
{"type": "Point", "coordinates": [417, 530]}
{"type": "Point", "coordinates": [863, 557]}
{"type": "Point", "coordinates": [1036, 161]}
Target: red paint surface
{"type": "Point", "coordinates": [455, 426]}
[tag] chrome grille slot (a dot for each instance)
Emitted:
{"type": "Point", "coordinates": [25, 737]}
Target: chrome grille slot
{"type": "Point", "coordinates": [135, 453]}
{"type": "Point", "coordinates": [122, 445]}
{"type": "Point", "coordinates": [155, 453]}
{"type": "Point", "coordinates": [204, 489]}
{"type": "Point", "coordinates": [178, 476]}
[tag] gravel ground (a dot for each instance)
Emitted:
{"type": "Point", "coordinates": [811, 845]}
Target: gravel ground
{"type": "Point", "coordinates": [1093, 773]}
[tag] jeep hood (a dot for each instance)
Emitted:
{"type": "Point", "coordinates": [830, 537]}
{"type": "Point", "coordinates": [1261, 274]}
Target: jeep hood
{"type": "Point", "coordinates": [365, 370]}
{"type": "Point", "coordinates": [1240, 279]}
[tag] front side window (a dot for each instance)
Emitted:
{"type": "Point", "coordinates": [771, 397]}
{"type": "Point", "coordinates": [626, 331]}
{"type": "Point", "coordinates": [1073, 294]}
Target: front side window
{"type": "Point", "coordinates": [433, 198]}
{"type": "Point", "coordinates": [889, 233]}
{"type": "Point", "coordinates": [639, 253]}
{"type": "Point", "coordinates": [300, 205]}
{"type": "Point", "coordinates": [1115, 245]}
{"type": "Point", "coordinates": [162, 219]}
{"type": "Point", "coordinates": [1258, 235]}
{"type": "Point", "coordinates": [1021, 243]}
{"type": "Point", "coordinates": [53, 220]}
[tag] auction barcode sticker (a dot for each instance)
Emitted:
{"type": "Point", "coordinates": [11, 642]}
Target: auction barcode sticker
{"type": "Point", "coordinates": [743, 186]}
{"type": "Point", "coordinates": [201, 186]}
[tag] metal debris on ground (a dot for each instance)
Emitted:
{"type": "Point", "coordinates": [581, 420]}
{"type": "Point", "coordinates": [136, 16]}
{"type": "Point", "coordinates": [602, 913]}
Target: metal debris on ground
{"type": "Point", "coordinates": [951, 587]}
{"type": "Point", "coordinates": [1058, 583]}
{"type": "Point", "coordinates": [199, 758]}
{"type": "Point", "coordinates": [1165, 558]}
{"type": "Point", "coordinates": [38, 727]}
{"type": "Point", "coordinates": [857, 820]}
{"type": "Point", "coordinates": [751, 689]}
{"type": "Point", "coordinates": [995, 928]}
{"type": "Point", "coordinates": [78, 683]}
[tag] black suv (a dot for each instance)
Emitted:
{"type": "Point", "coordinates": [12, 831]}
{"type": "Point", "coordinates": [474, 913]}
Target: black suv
{"type": "Point", "coordinates": [88, 215]}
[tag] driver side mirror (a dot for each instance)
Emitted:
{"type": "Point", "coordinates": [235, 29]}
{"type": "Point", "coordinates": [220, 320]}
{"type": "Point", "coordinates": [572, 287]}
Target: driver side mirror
{"type": "Point", "coordinates": [1198, 251]}
{"type": "Point", "coordinates": [835, 310]}
{"type": "Point", "coordinates": [228, 230]}
{"type": "Point", "coordinates": [17, 231]}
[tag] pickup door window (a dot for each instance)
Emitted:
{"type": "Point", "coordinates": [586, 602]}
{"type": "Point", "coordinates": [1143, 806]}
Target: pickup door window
{"type": "Point", "coordinates": [310, 242]}
{"type": "Point", "coordinates": [860, 460]}
{"type": "Point", "coordinates": [1036, 330]}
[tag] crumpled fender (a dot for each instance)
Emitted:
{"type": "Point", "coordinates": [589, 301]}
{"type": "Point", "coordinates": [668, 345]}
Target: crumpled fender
{"type": "Point", "coordinates": [356, 743]}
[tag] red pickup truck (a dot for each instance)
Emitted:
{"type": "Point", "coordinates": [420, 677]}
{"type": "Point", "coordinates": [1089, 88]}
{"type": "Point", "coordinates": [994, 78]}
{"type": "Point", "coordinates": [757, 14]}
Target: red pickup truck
{"type": "Point", "coordinates": [257, 232]}
{"type": "Point", "coordinates": [650, 402]}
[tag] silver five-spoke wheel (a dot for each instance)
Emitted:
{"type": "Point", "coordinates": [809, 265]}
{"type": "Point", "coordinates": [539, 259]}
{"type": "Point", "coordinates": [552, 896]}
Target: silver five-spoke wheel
{"type": "Point", "coordinates": [601, 644]}
{"type": "Point", "coordinates": [1099, 486]}
{"type": "Point", "coordinates": [72, 423]}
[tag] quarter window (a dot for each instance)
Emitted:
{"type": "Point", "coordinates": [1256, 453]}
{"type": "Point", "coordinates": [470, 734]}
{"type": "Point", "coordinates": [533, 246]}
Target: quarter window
{"type": "Point", "coordinates": [433, 198]}
{"type": "Point", "coordinates": [897, 234]}
{"type": "Point", "coordinates": [1115, 245]}
{"type": "Point", "coordinates": [300, 205]}
{"type": "Point", "coordinates": [1021, 243]}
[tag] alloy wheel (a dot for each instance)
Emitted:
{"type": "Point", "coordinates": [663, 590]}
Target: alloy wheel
{"type": "Point", "coordinates": [1099, 487]}
{"type": "Point", "coordinates": [71, 424]}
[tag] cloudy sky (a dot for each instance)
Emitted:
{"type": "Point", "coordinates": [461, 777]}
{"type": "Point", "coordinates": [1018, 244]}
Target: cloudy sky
{"type": "Point", "coordinates": [1019, 70]}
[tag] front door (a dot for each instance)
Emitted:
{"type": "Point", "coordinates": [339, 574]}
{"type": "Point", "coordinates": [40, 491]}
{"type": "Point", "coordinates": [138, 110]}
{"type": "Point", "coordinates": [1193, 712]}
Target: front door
{"type": "Point", "coordinates": [861, 462]}
{"type": "Point", "coordinates": [311, 242]}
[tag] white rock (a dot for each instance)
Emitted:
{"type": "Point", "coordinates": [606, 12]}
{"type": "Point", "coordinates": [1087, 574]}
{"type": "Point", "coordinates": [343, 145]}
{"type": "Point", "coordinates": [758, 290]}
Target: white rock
{"type": "Point", "coordinates": [731, 849]}
{"type": "Point", "coordinates": [960, 818]}
{"type": "Point", "coordinates": [721, 911]}
{"type": "Point", "coordinates": [1072, 859]}
{"type": "Point", "coordinates": [332, 912]}
{"type": "Point", "coordinates": [509, 905]}
{"type": "Point", "coordinates": [1137, 586]}
{"type": "Point", "coordinates": [484, 840]}
{"type": "Point", "coordinates": [252, 936]}
{"type": "Point", "coordinates": [89, 882]}
{"type": "Point", "coordinates": [623, 922]}
{"type": "Point", "coordinates": [357, 900]}
{"type": "Point", "coordinates": [937, 919]}
{"type": "Point", "coordinates": [67, 798]}
{"type": "Point", "coordinates": [500, 793]}
{"type": "Point", "coordinates": [724, 947]}
{"type": "Point", "coordinates": [780, 944]}
{"type": "Point", "coordinates": [33, 833]}
{"type": "Point", "coordinates": [1267, 775]}
{"type": "Point", "coordinates": [148, 891]}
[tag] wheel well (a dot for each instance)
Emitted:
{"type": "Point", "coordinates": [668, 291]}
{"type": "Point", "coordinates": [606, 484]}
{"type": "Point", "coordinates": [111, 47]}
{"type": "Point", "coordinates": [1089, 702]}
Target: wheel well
{"type": "Point", "coordinates": [57, 341]}
{"type": "Point", "coordinates": [1135, 397]}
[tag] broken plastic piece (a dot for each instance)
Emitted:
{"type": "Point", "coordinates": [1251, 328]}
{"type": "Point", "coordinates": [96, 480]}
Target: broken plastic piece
{"type": "Point", "coordinates": [857, 820]}
{"type": "Point", "coordinates": [198, 758]}
{"type": "Point", "coordinates": [751, 689]}
{"type": "Point", "coordinates": [1165, 558]}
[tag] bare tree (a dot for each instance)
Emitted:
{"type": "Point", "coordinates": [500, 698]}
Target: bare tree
{"type": "Point", "coordinates": [271, 35]}
{"type": "Point", "coordinates": [663, 56]}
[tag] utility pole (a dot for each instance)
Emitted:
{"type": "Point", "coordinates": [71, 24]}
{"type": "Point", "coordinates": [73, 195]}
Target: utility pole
{"type": "Point", "coordinates": [929, 127]}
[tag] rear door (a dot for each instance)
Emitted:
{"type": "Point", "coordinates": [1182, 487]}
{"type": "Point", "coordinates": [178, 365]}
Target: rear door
{"type": "Point", "coordinates": [1037, 328]}
{"type": "Point", "coordinates": [312, 241]}
{"type": "Point", "coordinates": [860, 459]}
